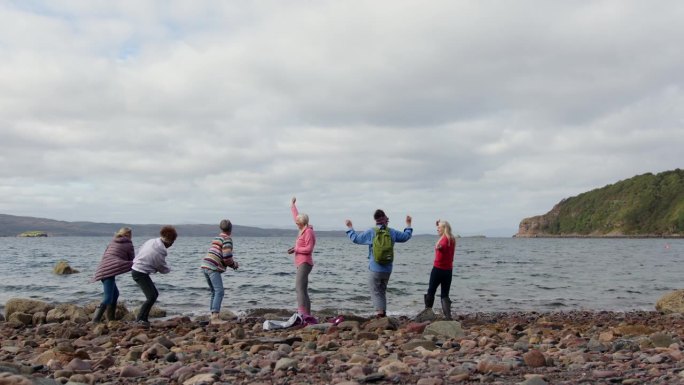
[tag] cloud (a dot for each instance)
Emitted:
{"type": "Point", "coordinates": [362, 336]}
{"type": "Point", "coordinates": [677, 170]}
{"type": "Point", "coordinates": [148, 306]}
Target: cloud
{"type": "Point", "coordinates": [481, 113]}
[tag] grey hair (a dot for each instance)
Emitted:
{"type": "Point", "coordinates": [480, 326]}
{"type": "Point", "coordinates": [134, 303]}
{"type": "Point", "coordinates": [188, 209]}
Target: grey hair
{"type": "Point", "coordinates": [226, 226]}
{"type": "Point", "coordinates": [123, 232]}
{"type": "Point", "coordinates": [304, 219]}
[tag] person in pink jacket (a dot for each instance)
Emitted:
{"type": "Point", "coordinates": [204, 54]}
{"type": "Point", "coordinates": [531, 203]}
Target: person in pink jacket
{"type": "Point", "coordinates": [303, 251]}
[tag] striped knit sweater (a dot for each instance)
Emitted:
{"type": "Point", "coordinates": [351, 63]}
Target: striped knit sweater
{"type": "Point", "coordinates": [220, 254]}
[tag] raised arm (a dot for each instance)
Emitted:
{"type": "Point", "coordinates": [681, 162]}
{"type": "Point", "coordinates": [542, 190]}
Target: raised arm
{"type": "Point", "coordinates": [293, 208]}
{"type": "Point", "coordinates": [403, 236]}
{"type": "Point", "coordinates": [364, 238]}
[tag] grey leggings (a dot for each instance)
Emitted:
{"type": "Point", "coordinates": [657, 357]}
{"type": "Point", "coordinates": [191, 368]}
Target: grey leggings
{"type": "Point", "coordinates": [378, 287]}
{"type": "Point", "coordinates": [302, 287]}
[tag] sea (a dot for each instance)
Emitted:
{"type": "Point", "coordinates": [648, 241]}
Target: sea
{"type": "Point", "coordinates": [490, 274]}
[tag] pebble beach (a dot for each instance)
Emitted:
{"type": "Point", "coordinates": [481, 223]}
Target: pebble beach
{"type": "Point", "coordinates": [531, 348]}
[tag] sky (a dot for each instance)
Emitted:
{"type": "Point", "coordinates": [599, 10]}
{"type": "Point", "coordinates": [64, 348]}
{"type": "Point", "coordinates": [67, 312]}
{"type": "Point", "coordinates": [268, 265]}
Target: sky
{"type": "Point", "coordinates": [481, 113]}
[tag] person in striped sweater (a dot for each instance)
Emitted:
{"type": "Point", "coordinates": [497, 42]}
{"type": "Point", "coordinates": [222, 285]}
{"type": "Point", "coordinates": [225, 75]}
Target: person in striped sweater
{"type": "Point", "coordinates": [218, 258]}
{"type": "Point", "coordinates": [117, 259]}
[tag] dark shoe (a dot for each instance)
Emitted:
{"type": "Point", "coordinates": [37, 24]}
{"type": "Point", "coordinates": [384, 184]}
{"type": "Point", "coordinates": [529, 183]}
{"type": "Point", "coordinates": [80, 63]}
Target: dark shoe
{"type": "Point", "coordinates": [381, 315]}
{"type": "Point", "coordinates": [446, 308]}
{"type": "Point", "coordinates": [97, 317]}
{"type": "Point", "coordinates": [111, 312]}
{"type": "Point", "coordinates": [429, 301]}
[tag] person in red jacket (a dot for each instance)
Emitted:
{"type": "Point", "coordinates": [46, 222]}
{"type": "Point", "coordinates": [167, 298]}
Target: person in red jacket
{"type": "Point", "coordinates": [442, 269]}
{"type": "Point", "coordinates": [117, 259]}
{"type": "Point", "coordinates": [303, 258]}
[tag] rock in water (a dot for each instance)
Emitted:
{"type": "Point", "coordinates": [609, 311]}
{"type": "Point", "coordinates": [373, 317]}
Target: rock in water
{"type": "Point", "coordinates": [62, 267]}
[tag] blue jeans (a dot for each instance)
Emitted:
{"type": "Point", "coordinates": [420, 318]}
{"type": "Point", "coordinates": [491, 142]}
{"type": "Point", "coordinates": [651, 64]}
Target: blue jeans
{"type": "Point", "coordinates": [215, 282]}
{"type": "Point", "coordinates": [111, 292]}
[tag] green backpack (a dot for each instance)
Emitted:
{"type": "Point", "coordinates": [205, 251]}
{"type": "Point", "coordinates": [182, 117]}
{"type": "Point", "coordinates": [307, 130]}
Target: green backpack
{"type": "Point", "coordinates": [383, 249]}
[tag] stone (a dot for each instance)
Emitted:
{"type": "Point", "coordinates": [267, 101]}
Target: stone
{"type": "Point", "coordinates": [63, 268]}
{"type": "Point", "coordinates": [64, 312]}
{"type": "Point", "coordinates": [394, 367]}
{"type": "Point", "coordinates": [14, 379]}
{"type": "Point", "coordinates": [448, 329]}
{"type": "Point", "coordinates": [661, 340]}
{"type": "Point", "coordinates": [23, 318]}
{"type": "Point", "coordinates": [430, 381]}
{"type": "Point", "coordinates": [492, 366]}
{"type": "Point", "coordinates": [367, 336]}
{"type": "Point", "coordinates": [384, 323]}
{"type": "Point", "coordinates": [606, 336]}
{"type": "Point", "coordinates": [78, 365]}
{"type": "Point", "coordinates": [416, 327]}
{"type": "Point", "coordinates": [131, 371]}
{"type": "Point", "coordinates": [672, 302]}
{"type": "Point", "coordinates": [534, 380]}
{"type": "Point", "coordinates": [28, 306]}
{"type": "Point", "coordinates": [201, 379]}
{"type": "Point", "coordinates": [425, 315]}
{"type": "Point", "coordinates": [429, 345]}
{"type": "Point", "coordinates": [285, 364]}
{"type": "Point", "coordinates": [534, 359]}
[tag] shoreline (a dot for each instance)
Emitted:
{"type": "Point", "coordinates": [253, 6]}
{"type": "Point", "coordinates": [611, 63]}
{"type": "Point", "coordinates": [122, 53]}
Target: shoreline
{"type": "Point", "coordinates": [531, 348]}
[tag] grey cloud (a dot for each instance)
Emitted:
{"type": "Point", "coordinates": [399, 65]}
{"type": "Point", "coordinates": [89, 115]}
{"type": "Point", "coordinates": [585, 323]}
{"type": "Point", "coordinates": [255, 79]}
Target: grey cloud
{"type": "Point", "coordinates": [480, 112]}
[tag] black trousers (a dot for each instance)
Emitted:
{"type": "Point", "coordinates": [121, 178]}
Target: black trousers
{"type": "Point", "coordinates": [442, 278]}
{"type": "Point", "coordinates": [145, 282]}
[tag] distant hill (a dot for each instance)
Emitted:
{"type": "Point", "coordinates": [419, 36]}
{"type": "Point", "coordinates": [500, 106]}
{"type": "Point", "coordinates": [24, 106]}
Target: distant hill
{"type": "Point", "coordinates": [11, 226]}
{"type": "Point", "coordinates": [646, 205]}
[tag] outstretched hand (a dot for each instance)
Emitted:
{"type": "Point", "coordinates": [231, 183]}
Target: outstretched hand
{"type": "Point", "coordinates": [348, 223]}
{"type": "Point", "coordinates": [294, 199]}
{"type": "Point", "coordinates": [408, 221]}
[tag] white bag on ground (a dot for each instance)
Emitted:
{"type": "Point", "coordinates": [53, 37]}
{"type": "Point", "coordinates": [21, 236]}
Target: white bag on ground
{"type": "Point", "coordinates": [296, 319]}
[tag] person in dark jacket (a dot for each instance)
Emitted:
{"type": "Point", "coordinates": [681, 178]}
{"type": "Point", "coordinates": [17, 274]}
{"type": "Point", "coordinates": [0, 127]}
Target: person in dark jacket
{"type": "Point", "coordinates": [117, 259]}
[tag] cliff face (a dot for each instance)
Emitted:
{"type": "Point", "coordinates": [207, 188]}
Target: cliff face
{"type": "Point", "coordinates": [646, 205]}
{"type": "Point", "coordinates": [539, 225]}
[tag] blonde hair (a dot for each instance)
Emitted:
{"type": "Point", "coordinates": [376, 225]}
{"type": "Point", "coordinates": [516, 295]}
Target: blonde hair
{"type": "Point", "coordinates": [123, 232]}
{"type": "Point", "coordinates": [446, 231]}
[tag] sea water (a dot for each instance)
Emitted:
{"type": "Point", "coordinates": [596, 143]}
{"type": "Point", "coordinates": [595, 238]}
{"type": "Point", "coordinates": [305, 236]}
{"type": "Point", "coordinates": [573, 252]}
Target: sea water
{"type": "Point", "coordinates": [490, 274]}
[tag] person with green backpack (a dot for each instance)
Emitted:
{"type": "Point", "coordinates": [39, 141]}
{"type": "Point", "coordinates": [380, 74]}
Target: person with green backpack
{"type": "Point", "coordinates": [380, 240]}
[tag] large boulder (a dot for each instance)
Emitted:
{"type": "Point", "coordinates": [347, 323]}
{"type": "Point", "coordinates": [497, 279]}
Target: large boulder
{"type": "Point", "coordinates": [62, 267]}
{"type": "Point", "coordinates": [66, 312]}
{"type": "Point", "coordinates": [20, 317]}
{"type": "Point", "coordinates": [24, 305]}
{"type": "Point", "coordinates": [449, 329]}
{"type": "Point", "coordinates": [672, 302]}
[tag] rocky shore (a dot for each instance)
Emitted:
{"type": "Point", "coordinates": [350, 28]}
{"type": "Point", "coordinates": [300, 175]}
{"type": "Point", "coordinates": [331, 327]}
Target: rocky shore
{"type": "Point", "coordinates": [576, 347]}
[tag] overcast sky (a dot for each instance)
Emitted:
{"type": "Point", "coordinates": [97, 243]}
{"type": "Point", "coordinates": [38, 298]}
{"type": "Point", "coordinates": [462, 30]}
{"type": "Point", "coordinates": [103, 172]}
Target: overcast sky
{"type": "Point", "coordinates": [478, 112]}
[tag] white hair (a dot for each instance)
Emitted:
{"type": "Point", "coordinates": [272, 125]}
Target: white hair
{"type": "Point", "coordinates": [303, 218]}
